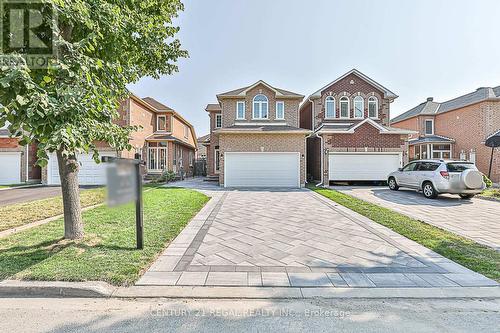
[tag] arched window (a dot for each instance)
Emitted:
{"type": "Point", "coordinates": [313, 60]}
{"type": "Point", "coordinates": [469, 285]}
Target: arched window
{"type": "Point", "coordinates": [330, 107]}
{"type": "Point", "coordinates": [260, 107]}
{"type": "Point", "coordinates": [344, 107]}
{"type": "Point", "coordinates": [359, 107]}
{"type": "Point", "coordinates": [373, 107]}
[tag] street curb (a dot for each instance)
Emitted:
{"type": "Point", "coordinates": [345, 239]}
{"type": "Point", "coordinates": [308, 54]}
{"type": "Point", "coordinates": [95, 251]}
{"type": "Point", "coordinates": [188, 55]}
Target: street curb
{"type": "Point", "coordinates": [57, 289]}
{"type": "Point", "coordinates": [21, 186]}
{"type": "Point", "coordinates": [15, 288]}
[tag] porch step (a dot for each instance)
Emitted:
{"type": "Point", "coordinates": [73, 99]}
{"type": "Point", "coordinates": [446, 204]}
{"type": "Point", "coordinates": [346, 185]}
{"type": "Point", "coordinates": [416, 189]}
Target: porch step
{"type": "Point", "coordinates": [211, 179]}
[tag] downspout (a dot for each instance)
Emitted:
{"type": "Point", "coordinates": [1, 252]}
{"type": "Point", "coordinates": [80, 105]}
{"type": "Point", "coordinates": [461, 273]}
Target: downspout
{"type": "Point", "coordinates": [27, 163]}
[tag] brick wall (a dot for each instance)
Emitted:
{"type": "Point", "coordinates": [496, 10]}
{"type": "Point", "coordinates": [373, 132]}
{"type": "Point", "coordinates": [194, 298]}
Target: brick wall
{"type": "Point", "coordinates": [269, 143]}
{"type": "Point", "coordinates": [291, 108]}
{"type": "Point", "coordinates": [411, 124]}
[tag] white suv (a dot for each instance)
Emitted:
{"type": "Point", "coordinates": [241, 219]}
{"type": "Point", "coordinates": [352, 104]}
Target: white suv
{"type": "Point", "coordinates": [433, 177]}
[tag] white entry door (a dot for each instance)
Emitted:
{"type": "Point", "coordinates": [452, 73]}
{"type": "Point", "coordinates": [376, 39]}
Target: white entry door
{"type": "Point", "coordinates": [10, 168]}
{"type": "Point", "coordinates": [262, 169]}
{"type": "Point", "coordinates": [362, 166]}
{"type": "Point", "coordinates": [91, 173]}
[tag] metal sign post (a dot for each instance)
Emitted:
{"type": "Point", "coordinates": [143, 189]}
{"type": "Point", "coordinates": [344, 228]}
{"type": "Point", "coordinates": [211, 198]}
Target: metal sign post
{"type": "Point", "coordinates": [125, 185]}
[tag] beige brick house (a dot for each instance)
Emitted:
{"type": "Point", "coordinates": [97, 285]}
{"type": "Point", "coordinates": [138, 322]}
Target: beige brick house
{"type": "Point", "coordinates": [456, 128]}
{"type": "Point", "coordinates": [255, 139]}
{"type": "Point", "coordinates": [165, 141]}
{"type": "Point", "coordinates": [352, 139]}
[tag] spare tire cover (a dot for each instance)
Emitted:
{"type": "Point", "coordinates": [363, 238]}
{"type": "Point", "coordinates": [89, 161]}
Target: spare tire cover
{"type": "Point", "coordinates": [472, 178]}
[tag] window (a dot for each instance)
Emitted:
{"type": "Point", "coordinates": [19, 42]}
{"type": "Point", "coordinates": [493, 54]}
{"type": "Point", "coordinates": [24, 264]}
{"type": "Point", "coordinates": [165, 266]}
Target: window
{"type": "Point", "coordinates": [373, 107]}
{"type": "Point", "coordinates": [459, 167]}
{"type": "Point", "coordinates": [191, 155]}
{"type": "Point", "coordinates": [161, 123]}
{"type": "Point", "coordinates": [218, 120]}
{"type": "Point", "coordinates": [280, 110]}
{"type": "Point", "coordinates": [427, 166]}
{"type": "Point", "coordinates": [186, 131]}
{"type": "Point", "coordinates": [410, 167]}
{"type": "Point", "coordinates": [260, 107]}
{"type": "Point", "coordinates": [330, 107]}
{"type": "Point", "coordinates": [344, 107]}
{"type": "Point", "coordinates": [359, 107]}
{"type": "Point", "coordinates": [240, 110]}
{"type": "Point", "coordinates": [217, 160]}
{"type": "Point", "coordinates": [429, 126]}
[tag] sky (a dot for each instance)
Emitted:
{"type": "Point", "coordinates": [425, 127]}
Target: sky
{"type": "Point", "coordinates": [417, 49]}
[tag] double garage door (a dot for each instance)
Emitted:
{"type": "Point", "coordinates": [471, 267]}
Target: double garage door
{"type": "Point", "coordinates": [262, 169]}
{"type": "Point", "coordinates": [362, 166]}
{"type": "Point", "coordinates": [10, 168]}
{"type": "Point", "coordinates": [91, 173]}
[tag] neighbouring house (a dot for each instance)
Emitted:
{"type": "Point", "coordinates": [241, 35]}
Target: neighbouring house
{"type": "Point", "coordinates": [352, 139]}
{"type": "Point", "coordinates": [255, 139]}
{"type": "Point", "coordinates": [456, 129]}
{"type": "Point", "coordinates": [165, 141]}
{"type": "Point", "coordinates": [202, 141]}
{"type": "Point", "coordinates": [17, 161]}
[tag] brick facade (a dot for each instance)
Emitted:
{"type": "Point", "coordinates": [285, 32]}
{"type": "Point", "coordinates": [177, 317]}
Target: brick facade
{"type": "Point", "coordinates": [469, 126]}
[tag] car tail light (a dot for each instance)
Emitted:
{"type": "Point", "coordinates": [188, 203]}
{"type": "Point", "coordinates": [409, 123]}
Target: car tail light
{"type": "Point", "coordinates": [445, 174]}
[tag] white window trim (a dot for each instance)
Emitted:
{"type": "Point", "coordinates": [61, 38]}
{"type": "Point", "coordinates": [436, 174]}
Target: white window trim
{"type": "Point", "coordinates": [425, 126]}
{"type": "Point", "coordinates": [373, 99]}
{"type": "Point", "coordinates": [158, 121]}
{"type": "Point", "coordinates": [186, 131]}
{"type": "Point", "coordinates": [244, 110]}
{"type": "Point", "coordinates": [362, 107]}
{"type": "Point", "coordinates": [330, 98]}
{"type": "Point", "coordinates": [218, 115]}
{"type": "Point", "coordinates": [282, 103]}
{"type": "Point", "coordinates": [345, 98]}
{"type": "Point", "coordinates": [260, 107]}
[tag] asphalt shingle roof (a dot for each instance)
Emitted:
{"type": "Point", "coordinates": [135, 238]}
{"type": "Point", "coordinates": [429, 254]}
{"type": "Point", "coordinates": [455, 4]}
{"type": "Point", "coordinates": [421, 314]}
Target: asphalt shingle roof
{"type": "Point", "coordinates": [430, 138]}
{"type": "Point", "coordinates": [159, 106]}
{"type": "Point", "coordinates": [264, 128]}
{"type": "Point", "coordinates": [238, 91]}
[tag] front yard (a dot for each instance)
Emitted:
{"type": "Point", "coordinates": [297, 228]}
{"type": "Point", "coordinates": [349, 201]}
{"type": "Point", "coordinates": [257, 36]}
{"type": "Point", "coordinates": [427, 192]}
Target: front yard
{"type": "Point", "coordinates": [466, 252]}
{"type": "Point", "coordinates": [107, 253]}
{"type": "Point", "coordinates": [15, 215]}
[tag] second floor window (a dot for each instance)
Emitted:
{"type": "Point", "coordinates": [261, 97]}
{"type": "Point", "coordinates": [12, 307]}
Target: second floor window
{"type": "Point", "coordinates": [260, 107]}
{"type": "Point", "coordinates": [186, 131]}
{"type": "Point", "coordinates": [429, 126]}
{"type": "Point", "coordinates": [218, 120]}
{"type": "Point", "coordinates": [240, 110]}
{"type": "Point", "coordinates": [344, 107]}
{"type": "Point", "coordinates": [330, 107]}
{"type": "Point", "coordinates": [359, 107]}
{"type": "Point", "coordinates": [373, 107]}
{"type": "Point", "coordinates": [280, 110]}
{"type": "Point", "coordinates": [161, 124]}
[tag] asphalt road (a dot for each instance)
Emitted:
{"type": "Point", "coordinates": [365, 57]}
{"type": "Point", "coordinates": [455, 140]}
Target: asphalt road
{"type": "Point", "coordinates": [25, 194]}
{"type": "Point", "coordinates": [161, 315]}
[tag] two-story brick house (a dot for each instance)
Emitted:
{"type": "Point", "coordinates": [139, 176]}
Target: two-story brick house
{"type": "Point", "coordinates": [255, 139]}
{"type": "Point", "coordinates": [456, 129]}
{"type": "Point", "coordinates": [352, 139]}
{"type": "Point", "coordinates": [165, 141]}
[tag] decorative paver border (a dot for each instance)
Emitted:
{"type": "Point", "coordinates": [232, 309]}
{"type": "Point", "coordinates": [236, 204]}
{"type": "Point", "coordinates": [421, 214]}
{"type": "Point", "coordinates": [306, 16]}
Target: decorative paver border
{"type": "Point", "coordinates": [173, 267]}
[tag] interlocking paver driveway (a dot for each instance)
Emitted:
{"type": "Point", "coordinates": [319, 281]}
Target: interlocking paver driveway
{"type": "Point", "coordinates": [476, 219]}
{"type": "Point", "coordinates": [296, 238]}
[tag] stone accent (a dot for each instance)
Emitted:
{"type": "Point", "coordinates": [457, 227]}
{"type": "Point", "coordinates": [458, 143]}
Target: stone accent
{"type": "Point", "coordinates": [252, 142]}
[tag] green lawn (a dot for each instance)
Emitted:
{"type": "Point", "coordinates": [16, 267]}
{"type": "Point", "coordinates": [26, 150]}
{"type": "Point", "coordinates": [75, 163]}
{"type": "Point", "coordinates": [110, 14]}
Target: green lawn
{"type": "Point", "coordinates": [15, 215]}
{"type": "Point", "coordinates": [466, 252]}
{"type": "Point", "coordinates": [493, 193]}
{"type": "Point", "coordinates": [107, 253]}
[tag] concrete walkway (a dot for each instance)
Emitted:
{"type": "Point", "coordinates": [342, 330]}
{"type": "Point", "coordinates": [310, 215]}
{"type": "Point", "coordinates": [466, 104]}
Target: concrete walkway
{"type": "Point", "coordinates": [476, 219]}
{"type": "Point", "coordinates": [296, 238]}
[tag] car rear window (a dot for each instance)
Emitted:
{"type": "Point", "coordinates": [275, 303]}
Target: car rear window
{"type": "Point", "coordinates": [459, 167]}
{"type": "Point", "coordinates": [427, 166]}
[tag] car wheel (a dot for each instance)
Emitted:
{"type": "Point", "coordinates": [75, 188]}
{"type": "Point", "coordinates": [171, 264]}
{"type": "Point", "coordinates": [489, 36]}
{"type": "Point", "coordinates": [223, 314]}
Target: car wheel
{"type": "Point", "coordinates": [429, 191]}
{"type": "Point", "coordinates": [392, 184]}
{"type": "Point", "coordinates": [466, 196]}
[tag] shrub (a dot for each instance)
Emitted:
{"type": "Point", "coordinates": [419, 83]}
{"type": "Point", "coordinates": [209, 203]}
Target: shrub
{"type": "Point", "coordinates": [165, 177]}
{"type": "Point", "coordinates": [488, 181]}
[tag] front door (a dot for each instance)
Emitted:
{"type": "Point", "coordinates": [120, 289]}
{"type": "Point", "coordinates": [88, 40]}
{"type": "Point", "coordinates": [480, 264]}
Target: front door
{"type": "Point", "coordinates": [157, 159]}
{"type": "Point", "coordinates": [216, 160]}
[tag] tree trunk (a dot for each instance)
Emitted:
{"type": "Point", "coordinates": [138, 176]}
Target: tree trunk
{"type": "Point", "coordinates": [68, 173]}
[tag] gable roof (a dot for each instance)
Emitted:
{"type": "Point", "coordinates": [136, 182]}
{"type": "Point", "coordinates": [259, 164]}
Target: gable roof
{"type": "Point", "coordinates": [213, 107]}
{"type": "Point", "coordinates": [203, 138]}
{"type": "Point", "coordinates": [387, 93]}
{"type": "Point", "coordinates": [430, 107]}
{"type": "Point", "coordinates": [242, 91]}
{"type": "Point", "coordinates": [350, 128]}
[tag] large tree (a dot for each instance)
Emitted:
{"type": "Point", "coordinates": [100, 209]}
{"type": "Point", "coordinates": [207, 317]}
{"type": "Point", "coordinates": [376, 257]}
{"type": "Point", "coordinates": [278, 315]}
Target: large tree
{"type": "Point", "coordinates": [69, 105]}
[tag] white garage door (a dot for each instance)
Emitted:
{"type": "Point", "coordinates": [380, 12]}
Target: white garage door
{"type": "Point", "coordinates": [261, 170]}
{"type": "Point", "coordinates": [10, 172]}
{"type": "Point", "coordinates": [90, 172]}
{"type": "Point", "coordinates": [362, 166]}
